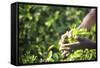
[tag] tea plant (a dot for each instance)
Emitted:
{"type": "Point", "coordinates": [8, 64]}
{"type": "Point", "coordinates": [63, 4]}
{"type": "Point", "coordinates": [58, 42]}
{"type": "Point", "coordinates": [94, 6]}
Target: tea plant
{"type": "Point", "coordinates": [82, 54]}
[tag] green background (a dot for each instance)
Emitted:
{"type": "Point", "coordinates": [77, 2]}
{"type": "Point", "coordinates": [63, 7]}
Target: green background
{"type": "Point", "coordinates": [40, 29]}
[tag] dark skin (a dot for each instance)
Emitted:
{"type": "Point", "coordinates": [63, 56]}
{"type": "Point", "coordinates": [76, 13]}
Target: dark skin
{"type": "Point", "coordinates": [88, 21]}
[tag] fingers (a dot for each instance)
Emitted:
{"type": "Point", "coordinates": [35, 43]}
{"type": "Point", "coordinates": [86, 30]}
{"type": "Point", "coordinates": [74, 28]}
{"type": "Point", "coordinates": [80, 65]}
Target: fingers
{"type": "Point", "coordinates": [69, 47]}
{"type": "Point", "coordinates": [65, 35]}
{"type": "Point", "coordinates": [70, 44]}
{"type": "Point", "coordinates": [65, 53]}
{"type": "Point", "coordinates": [65, 48]}
{"type": "Point", "coordinates": [62, 40]}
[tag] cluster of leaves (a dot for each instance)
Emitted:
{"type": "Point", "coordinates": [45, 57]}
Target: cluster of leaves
{"type": "Point", "coordinates": [83, 33]}
{"type": "Point", "coordinates": [80, 55]}
{"type": "Point", "coordinates": [40, 28]}
{"type": "Point", "coordinates": [87, 54]}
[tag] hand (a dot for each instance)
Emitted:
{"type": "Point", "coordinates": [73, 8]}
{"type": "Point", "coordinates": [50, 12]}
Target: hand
{"type": "Point", "coordinates": [65, 50]}
{"type": "Point", "coordinates": [82, 43]}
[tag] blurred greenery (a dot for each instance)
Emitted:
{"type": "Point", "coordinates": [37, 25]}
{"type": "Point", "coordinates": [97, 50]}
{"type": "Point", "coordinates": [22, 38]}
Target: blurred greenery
{"type": "Point", "coordinates": [40, 29]}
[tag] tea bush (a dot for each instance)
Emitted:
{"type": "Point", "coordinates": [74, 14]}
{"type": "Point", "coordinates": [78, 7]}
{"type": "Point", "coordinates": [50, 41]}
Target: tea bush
{"type": "Point", "coordinates": [82, 54]}
{"type": "Point", "coordinates": [40, 28]}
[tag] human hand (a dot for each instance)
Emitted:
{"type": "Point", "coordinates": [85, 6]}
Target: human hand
{"type": "Point", "coordinates": [82, 43]}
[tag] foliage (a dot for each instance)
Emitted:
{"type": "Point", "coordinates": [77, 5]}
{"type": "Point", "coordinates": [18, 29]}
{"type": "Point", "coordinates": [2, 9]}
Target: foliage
{"type": "Point", "coordinates": [83, 33]}
{"type": "Point", "coordinates": [82, 55]}
{"type": "Point", "coordinates": [40, 28]}
{"type": "Point", "coordinates": [87, 54]}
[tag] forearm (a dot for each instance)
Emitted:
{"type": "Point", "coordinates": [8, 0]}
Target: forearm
{"type": "Point", "coordinates": [89, 19]}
